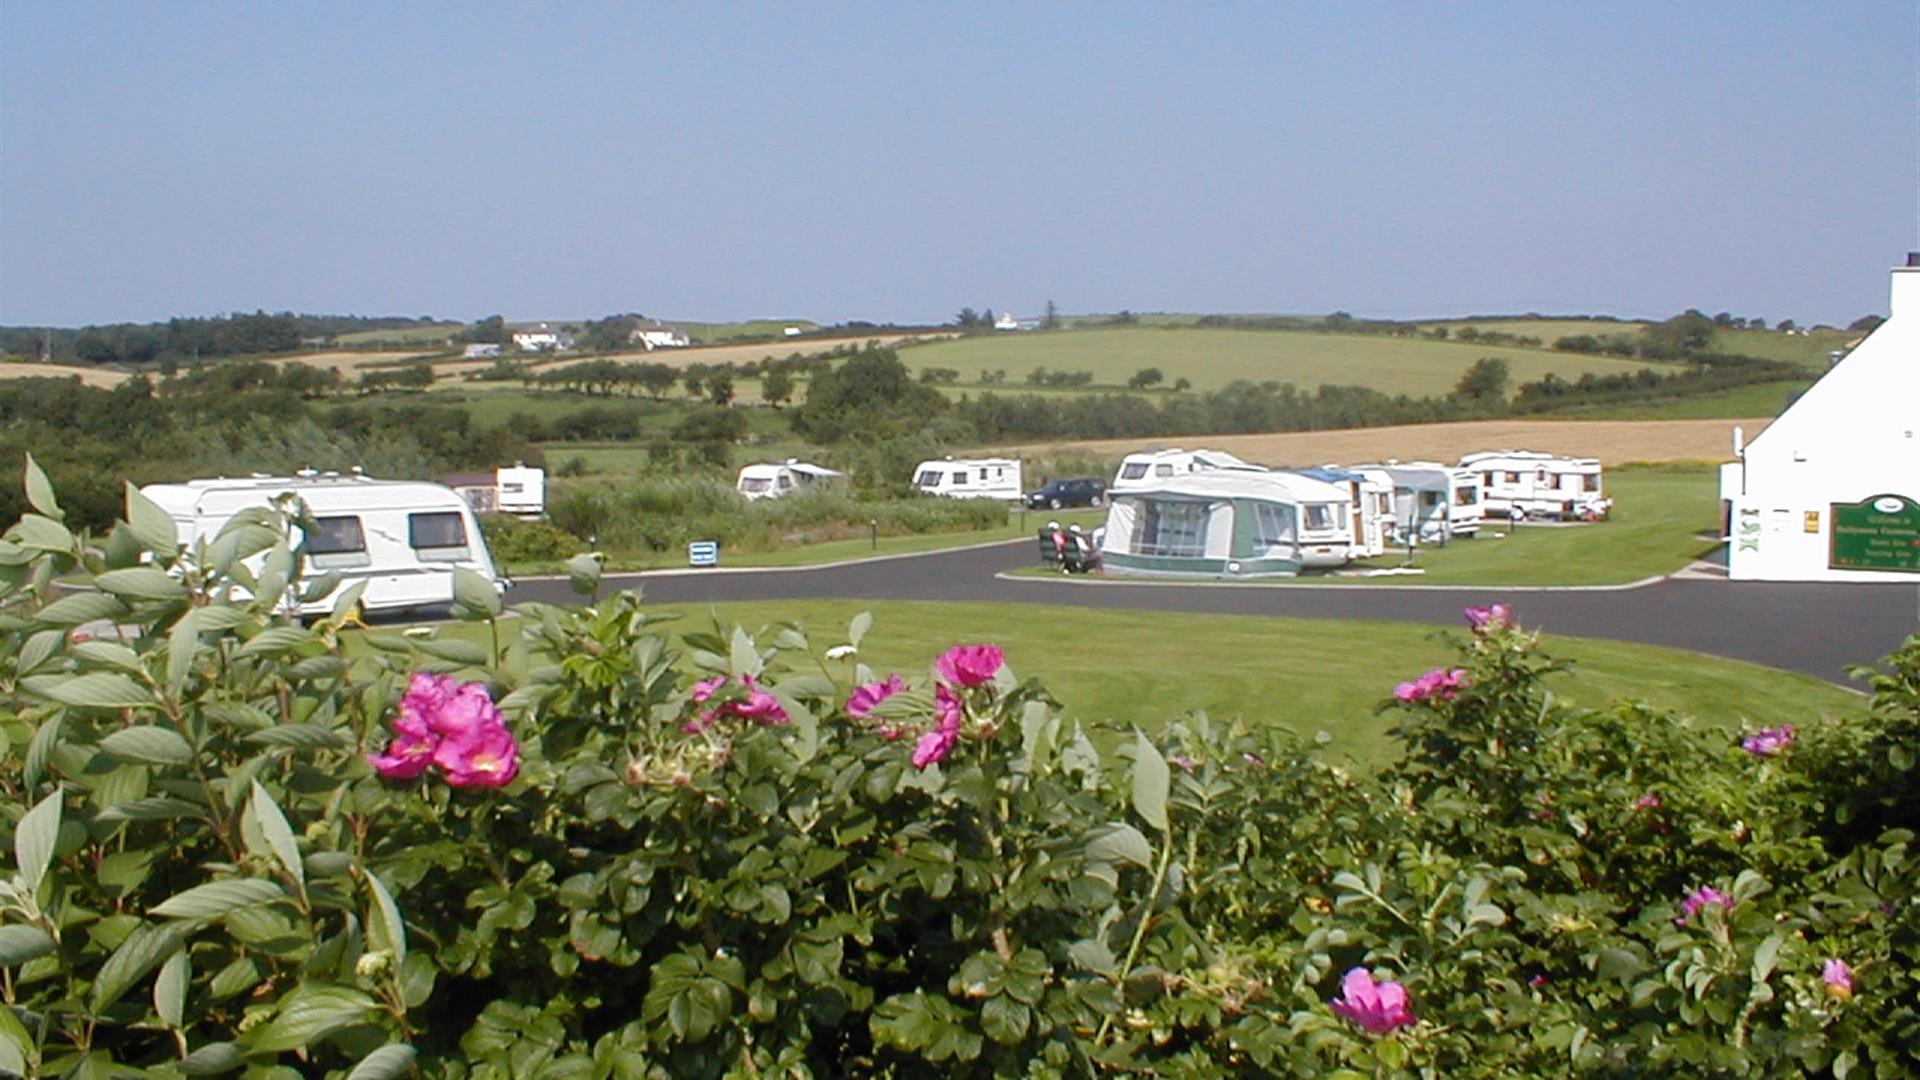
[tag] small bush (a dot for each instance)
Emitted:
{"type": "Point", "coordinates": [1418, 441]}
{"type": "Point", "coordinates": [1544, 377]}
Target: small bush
{"type": "Point", "coordinates": [513, 540]}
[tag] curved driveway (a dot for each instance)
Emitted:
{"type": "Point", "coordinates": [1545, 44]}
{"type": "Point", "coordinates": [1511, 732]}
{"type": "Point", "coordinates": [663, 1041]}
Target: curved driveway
{"type": "Point", "coordinates": [1815, 629]}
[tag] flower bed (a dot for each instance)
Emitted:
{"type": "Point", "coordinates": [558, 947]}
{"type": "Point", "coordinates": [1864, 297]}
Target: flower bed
{"type": "Point", "coordinates": [586, 851]}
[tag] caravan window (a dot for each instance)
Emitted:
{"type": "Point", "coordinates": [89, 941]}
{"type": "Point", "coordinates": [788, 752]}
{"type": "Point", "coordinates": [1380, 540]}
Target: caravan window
{"type": "Point", "coordinates": [753, 485]}
{"type": "Point", "coordinates": [1133, 470]}
{"type": "Point", "coordinates": [1466, 495]}
{"type": "Point", "coordinates": [959, 477]}
{"type": "Point", "coordinates": [1163, 470]}
{"type": "Point", "coordinates": [929, 478]}
{"type": "Point", "coordinates": [1319, 516]}
{"type": "Point", "coordinates": [1272, 525]}
{"type": "Point", "coordinates": [1592, 483]}
{"type": "Point", "coordinates": [336, 542]}
{"type": "Point", "coordinates": [440, 536]}
{"type": "Point", "coordinates": [1171, 528]}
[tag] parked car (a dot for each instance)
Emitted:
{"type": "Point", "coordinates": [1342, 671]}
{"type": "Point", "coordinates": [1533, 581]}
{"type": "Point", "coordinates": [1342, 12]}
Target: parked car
{"type": "Point", "coordinates": [1071, 491]}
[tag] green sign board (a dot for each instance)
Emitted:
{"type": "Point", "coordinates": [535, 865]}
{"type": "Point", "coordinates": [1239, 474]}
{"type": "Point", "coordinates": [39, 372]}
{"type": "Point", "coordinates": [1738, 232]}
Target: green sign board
{"type": "Point", "coordinates": [1881, 533]}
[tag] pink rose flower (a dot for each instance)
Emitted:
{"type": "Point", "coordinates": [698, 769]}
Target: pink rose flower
{"type": "Point", "coordinates": [1439, 683]}
{"type": "Point", "coordinates": [454, 727]}
{"type": "Point", "coordinates": [759, 706]}
{"type": "Point", "coordinates": [864, 698]}
{"type": "Point", "coordinates": [1377, 1007]}
{"type": "Point", "coordinates": [1485, 620]}
{"type": "Point", "coordinates": [934, 747]}
{"type": "Point", "coordinates": [1700, 898]}
{"type": "Point", "coordinates": [1768, 741]}
{"type": "Point", "coordinates": [1837, 979]}
{"type": "Point", "coordinates": [1649, 801]}
{"type": "Point", "coordinates": [970, 665]}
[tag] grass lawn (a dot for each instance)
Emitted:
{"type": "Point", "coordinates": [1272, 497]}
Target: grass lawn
{"type": "Point", "coordinates": [1213, 358]}
{"type": "Point", "coordinates": [1147, 668]}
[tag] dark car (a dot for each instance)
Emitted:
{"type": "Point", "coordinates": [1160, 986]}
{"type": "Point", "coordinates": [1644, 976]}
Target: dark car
{"type": "Point", "coordinates": [1072, 491]}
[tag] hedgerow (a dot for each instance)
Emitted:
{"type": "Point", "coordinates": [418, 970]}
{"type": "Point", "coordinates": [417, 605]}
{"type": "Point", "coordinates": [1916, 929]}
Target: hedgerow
{"type": "Point", "coordinates": [569, 844]}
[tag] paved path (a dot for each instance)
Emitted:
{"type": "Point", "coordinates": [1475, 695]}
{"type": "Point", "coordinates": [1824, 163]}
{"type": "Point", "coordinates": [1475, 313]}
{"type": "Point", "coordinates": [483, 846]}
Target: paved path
{"type": "Point", "coordinates": [1815, 629]}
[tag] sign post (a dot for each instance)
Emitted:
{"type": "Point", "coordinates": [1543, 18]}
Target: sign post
{"type": "Point", "coordinates": [703, 553]}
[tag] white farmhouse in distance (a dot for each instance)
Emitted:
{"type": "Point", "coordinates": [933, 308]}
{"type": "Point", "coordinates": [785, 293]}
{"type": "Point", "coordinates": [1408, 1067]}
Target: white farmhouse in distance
{"type": "Point", "coordinates": [1006, 321]}
{"type": "Point", "coordinates": [1830, 491]}
{"type": "Point", "coordinates": [542, 338]}
{"type": "Point", "coordinates": [660, 336]}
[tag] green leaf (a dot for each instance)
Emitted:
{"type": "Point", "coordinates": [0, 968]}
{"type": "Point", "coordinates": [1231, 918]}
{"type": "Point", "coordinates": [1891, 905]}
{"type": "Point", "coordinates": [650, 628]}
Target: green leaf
{"type": "Point", "coordinates": [152, 808]}
{"type": "Point", "coordinates": [151, 525]}
{"type": "Point", "coordinates": [583, 573]}
{"type": "Point", "coordinates": [20, 943]}
{"type": "Point", "coordinates": [38, 647]}
{"type": "Point", "coordinates": [858, 628]}
{"type": "Point", "coordinates": [391, 1060]}
{"type": "Point", "coordinates": [453, 650]}
{"type": "Point", "coordinates": [1152, 779]}
{"type": "Point", "coordinates": [42, 533]}
{"type": "Point", "coordinates": [348, 599]}
{"type": "Point", "coordinates": [137, 955]}
{"type": "Point", "coordinates": [170, 989]}
{"type": "Point", "coordinates": [744, 658]}
{"type": "Point", "coordinates": [298, 737]}
{"type": "Point", "coordinates": [1121, 842]}
{"type": "Point", "coordinates": [34, 839]}
{"type": "Point", "coordinates": [183, 645]}
{"type": "Point", "coordinates": [105, 653]}
{"type": "Point", "coordinates": [308, 1013]}
{"type": "Point", "coordinates": [1005, 1020]}
{"type": "Point", "coordinates": [81, 608]}
{"type": "Point", "coordinates": [212, 1060]}
{"type": "Point", "coordinates": [472, 591]}
{"type": "Point", "coordinates": [218, 898]}
{"type": "Point", "coordinates": [279, 835]}
{"type": "Point", "coordinates": [149, 745]}
{"type": "Point", "coordinates": [40, 491]}
{"type": "Point", "coordinates": [13, 1052]}
{"type": "Point", "coordinates": [385, 929]}
{"type": "Point", "coordinates": [98, 690]}
{"type": "Point", "coordinates": [1767, 956]}
{"type": "Point", "coordinates": [276, 639]}
{"type": "Point", "coordinates": [141, 583]}
{"type": "Point", "coordinates": [45, 738]}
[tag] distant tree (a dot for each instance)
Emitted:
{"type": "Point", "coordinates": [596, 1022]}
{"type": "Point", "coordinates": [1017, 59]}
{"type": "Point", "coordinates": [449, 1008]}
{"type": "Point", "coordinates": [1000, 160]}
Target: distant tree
{"type": "Point", "coordinates": [970, 321]}
{"type": "Point", "coordinates": [1052, 321]}
{"type": "Point", "coordinates": [1146, 377]}
{"type": "Point", "coordinates": [936, 376]}
{"type": "Point", "coordinates": [712, 425]}
{"type": "Point", "coordinates": [491, 330]}
{"type": "Point", "coordinates": [720, 387]}
{"type": "Point", "coordinates": [1485, 383]}
{"type": "Point", "coordinates": [1685, 333]}
{"type": "Point", "coordinates": [1182, 384]}
{"type": "Point", "coordinates": [869, 396]}
{"type": "Point", "coordinates": [695, 380]}
{"type": "Point", "coordinates": [1865, 324]}
{"type": "Point", "coordinates": [776, 386]}
{"type": "Point", "coordinates": [657, 378]}
{"type": "Point", "coordinates": [1786, 324]}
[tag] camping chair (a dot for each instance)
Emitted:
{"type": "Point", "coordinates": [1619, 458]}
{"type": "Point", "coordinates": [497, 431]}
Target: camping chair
{"type": "Point", "coordinates": [1049, 555]}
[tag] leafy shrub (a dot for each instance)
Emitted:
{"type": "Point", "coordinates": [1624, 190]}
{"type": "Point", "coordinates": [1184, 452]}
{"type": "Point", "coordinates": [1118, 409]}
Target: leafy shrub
{"type": "Point", "coordinates": [243, 843]}
{"type": "Point", "coordinates": [516, 541]}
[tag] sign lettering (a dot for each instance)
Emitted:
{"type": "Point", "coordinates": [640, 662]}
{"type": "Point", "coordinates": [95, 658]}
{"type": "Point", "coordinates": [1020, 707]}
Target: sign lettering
{"type": "Point", "coordinates": [1879, 533]}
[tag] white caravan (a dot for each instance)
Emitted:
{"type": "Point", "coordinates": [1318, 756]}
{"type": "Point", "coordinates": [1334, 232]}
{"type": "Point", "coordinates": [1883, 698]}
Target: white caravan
{"type": "Point", "coordinates": [1432, 503]}
{"type": "Point", "coordinates": [402, 538]}
{"type": "Point", "coordinates": [519, 490]}
{"type": "Point", "coordinates": [1325, 533]}
{"type": "Point", "coordinates": [970, 478]}
{"type": "Point", "coordinates": [1370, 491]}
{"type": "Point", "coordinates": [1538, 485]}
{"type": "Point", "coordinates": [1147, 469]}
{"type": "Point", "coordinates": [771, 480]}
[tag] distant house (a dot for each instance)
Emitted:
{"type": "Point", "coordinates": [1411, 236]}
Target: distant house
{"type": "Point", "coordinates": [542, 338]}
{"type": "Point", "coordinates": [790, 331]}
{"type": "Point", "coordinates": [480, 352]}
{"type": "Point", "coordinates": [1006, 321]}
{"type": "Point", "coordinates": [660, 336]}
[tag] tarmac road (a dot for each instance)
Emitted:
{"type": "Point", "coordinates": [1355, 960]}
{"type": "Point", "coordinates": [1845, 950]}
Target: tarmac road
{"type": "Point", "coordinates": [1811, 628]}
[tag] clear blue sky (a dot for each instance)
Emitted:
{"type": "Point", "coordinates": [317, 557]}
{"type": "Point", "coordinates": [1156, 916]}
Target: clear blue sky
{"type": "Point", "coordinates": [899, 161]}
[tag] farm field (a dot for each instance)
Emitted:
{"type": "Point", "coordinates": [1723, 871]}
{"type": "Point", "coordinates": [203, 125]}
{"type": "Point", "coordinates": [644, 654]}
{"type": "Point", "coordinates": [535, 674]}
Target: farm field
{"type": "Point", "coordinates": [1759, 399]}
{"type": "Point", "coordinates": [89, 376]}
{"type": "Point", "coordinates": [436, 336]}
{"type": "Point", "coordinates": [1213, 358]}
{"type": "Point", "coordinates": [1547, 330]}
{"type": "Point", "coordinates": [1150, 668]}
{"type": "Point", "coordinates": [347, 362]}
{"type": "Point", "coordinates": [1808, 350]}
{"type": "Point", "coordinates": [1614, 442]}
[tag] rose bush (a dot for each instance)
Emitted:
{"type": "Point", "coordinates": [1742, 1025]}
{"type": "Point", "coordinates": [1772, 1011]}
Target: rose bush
{"type": "Point", "coordinates": [585, 847]}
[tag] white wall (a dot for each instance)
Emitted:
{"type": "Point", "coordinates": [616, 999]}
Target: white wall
{"type": "Point", "coordinates": [1854, 434]}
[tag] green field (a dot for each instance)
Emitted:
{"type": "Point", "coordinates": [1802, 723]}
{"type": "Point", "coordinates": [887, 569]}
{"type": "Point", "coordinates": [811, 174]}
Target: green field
{"type": "Point", "coordinates": [1808, 350]}
{"type": "Point", "coordinates": [404, 336]}
{"type": "Point", "coordinates": [1547, 330]}
{"type": "Point", "coordinates": [730, 331]}
{"type": "Point", "coordinates": [1148, 668]}
{"type": "Point", "coordinates": [1213, 358]}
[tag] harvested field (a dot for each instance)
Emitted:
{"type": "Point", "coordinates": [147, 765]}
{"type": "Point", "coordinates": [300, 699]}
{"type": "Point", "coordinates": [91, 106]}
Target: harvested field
{"type": "Point", "coordinates": [89, 376]}
{"type": "Point", "coordinates": [1614, 442]}
{"type": "Point", "coordinates": [746, 354]}
{"type": "Point", "coordinates": [346, 362]}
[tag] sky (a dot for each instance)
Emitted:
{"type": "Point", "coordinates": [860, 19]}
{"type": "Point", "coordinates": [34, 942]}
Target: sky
{"type": "Point", "coordinates": [897, 162]}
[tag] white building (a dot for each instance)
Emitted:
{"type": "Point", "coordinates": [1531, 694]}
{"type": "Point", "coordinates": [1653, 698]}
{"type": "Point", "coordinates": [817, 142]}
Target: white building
{"type": "Point", "coordinates": [542, 338]}
{"type": "Point", "coordinates": [660, 336]}
{"type": "Point", "coordinates": [1830, 491]}
{"type": "Point", "coordinates": [479, 352]}
{"type": "Point", "coordinates": [1006, 321]}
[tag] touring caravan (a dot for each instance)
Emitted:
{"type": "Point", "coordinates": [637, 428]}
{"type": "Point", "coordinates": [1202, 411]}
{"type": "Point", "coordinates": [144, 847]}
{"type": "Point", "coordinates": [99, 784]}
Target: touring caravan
{"type": "Point", "coordinates": [1538, 485]}
{"type": "Point", "coordinates": [1325, 533]}
{"type": "Point", "coordinates": [1220, 523]}
{"type": "Point", "coordinates": [1432, 503]}
{"type": "Point", "coordinates": [401, 538]}
{"type": "Point", "coordinates": [1370, 493]}
{"type": "Point", "coordinates": [1146, 469]}
{"type": "Point", "coordinates": [519, 490]}
{"type": "Point", "coordinates": [771, 480]}
{"type": "Point", "coordinates": [970, 478]}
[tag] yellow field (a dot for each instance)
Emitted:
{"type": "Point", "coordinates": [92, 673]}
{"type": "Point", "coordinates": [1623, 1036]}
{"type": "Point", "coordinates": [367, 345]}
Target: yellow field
{"type": "Point", "coordinates": [89, 376]}
{"type": "Point", "coordinates": [346, 362]}
{"type": "Point", "coordinates": [1614, 442]}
